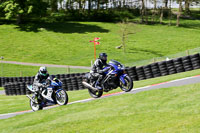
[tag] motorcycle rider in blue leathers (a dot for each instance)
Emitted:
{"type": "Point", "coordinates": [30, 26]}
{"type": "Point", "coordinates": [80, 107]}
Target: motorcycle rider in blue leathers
{"type": "Point", "coordinates": [97, 69]}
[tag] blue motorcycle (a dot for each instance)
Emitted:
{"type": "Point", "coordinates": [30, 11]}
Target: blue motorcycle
{"type": "Point", "coordinates": [113, 78]}
{"type": "Point", "coordinates": [51, 93]}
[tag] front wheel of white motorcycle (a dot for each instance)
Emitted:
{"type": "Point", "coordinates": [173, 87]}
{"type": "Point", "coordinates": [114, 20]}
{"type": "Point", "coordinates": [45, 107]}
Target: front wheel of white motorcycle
{"type": "Point", "coordinates": [35, 106]}
{"type": "Point", "coordinates": [128, 85]}
{"type": "Point", "coordinates": [61, 97]}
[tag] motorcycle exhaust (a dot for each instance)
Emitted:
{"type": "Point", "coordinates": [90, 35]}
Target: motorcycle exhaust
{"type": "Point", "coordinates": [89, 86]}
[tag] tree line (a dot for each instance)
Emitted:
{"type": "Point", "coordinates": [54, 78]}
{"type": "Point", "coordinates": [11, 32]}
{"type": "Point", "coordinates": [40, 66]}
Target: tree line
{"type": "Point", "coordinates": [21, 9]}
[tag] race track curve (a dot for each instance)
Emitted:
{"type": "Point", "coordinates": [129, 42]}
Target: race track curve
{"type": "Point", "coordinates": [178, 82]}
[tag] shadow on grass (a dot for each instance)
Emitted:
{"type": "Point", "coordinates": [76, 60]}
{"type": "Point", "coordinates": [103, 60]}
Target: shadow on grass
{"type": "Point", "coordinates": [191, 25]}
{"type": "Point", "coordinates": [141, 51]}
{"type": "Point", "coordinates": [191, 21]}
{"type": "Point", "coordinates": [61, 27]}
{"type": "Point", "coordinates": [185, 23]}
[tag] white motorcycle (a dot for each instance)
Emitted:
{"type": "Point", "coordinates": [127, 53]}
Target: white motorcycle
{"type": "Point", "coordinates": [52, 93]}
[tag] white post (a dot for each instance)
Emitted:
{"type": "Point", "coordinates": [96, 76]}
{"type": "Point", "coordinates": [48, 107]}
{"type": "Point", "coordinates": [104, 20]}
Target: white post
{"type": "Point", "coordinates": [2, 66]}
{"type": "Point", "coordinates": [91, 63]}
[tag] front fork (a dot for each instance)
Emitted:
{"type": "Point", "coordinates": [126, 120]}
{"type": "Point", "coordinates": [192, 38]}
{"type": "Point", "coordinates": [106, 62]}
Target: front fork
{"type": "Point", "coordinates": [33, 99]}
{"type": "Point", "coordinates": [122, 78]}
{"type": "Point", "coordinates": [57, 93]}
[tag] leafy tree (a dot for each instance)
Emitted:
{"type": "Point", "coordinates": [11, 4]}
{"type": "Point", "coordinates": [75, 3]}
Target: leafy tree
{"type": "Point", "coordinates": [126, 29]}
{"type": "Point", "coordinates": [179, 13]}
{"type": "Point", "coordinates": [170, 12]}
{"type": "Point", "coordinates": [154, 10]}
{"type": "Point", "coordinates": [143, 11]}
{"type": "Point", "coordinates": [187, 6]}
{"type": "Point", "coordinates": [54, 5]}
{"type": "Point", "coordinates": [161, 14]}
{"type": "Point", "coordinates": [21, 8]}
{"type": "Point", "coordinates": [166, 3]}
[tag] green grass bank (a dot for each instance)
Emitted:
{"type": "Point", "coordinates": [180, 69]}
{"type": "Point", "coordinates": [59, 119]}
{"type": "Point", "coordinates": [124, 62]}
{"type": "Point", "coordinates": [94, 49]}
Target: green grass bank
{"type": "Point", "coordinates": [12, 70]}
{"type": "Point", "coordinates": [164, 110]}
{"type": "Point", "coordinates": [67, 43]}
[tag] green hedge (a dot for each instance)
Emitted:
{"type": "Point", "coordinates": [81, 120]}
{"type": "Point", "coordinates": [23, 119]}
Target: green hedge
{"type": "Point", "coordinates": [110, 15]}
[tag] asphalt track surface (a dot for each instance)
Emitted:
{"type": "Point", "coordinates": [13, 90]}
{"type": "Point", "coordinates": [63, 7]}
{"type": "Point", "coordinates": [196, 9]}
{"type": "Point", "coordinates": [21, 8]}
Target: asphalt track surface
{"type": "Point", "coordinates": [179, 82]}
{"type": "Point", "coordinates": [2, 92]}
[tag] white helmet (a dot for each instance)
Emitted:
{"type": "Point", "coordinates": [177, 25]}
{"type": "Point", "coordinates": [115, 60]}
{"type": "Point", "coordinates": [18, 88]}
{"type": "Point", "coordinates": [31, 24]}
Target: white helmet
{"type": "Point", "coordinates": [43, 71]}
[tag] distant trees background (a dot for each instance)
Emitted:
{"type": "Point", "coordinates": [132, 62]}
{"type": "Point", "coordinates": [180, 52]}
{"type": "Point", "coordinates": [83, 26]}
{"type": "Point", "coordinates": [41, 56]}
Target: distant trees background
{"type": "Point", "coordinates": [149, 11]}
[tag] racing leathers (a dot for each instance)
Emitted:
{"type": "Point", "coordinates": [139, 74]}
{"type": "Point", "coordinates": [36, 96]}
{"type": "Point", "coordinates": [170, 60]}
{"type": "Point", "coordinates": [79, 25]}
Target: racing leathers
{"type": "Point", "coordinates": [39, 80]}
{"type": "Point", "coordinates": [97, 71]}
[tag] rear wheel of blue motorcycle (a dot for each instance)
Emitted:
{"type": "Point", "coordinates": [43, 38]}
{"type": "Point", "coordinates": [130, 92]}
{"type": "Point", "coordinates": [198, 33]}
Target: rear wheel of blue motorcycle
{"type": "Point", "coordinates": [128, 86]}
{"type": "Point", "coordinates": [95, 94]}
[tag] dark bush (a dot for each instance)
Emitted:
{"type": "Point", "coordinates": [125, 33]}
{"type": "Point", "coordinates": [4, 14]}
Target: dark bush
{"type": "Point", "coordinates": [95, 15]}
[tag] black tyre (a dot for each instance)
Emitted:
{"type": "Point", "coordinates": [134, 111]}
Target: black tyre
{"type": "Point", "coordinates": [141, 77]}
{"type": "Point", "coordinates": [61, 97]}
{"type": "Point", "coordinates": [156, 73]}
{"type": "Point", "coordinates": [6, 90]}
{"type": "Point", "coordinates": [196, 65]}
{"type": "Point", "coordinates": [172, 71]}
{"type": "Point", "coordinates": [95, 94]}
{"type": "Point", "coordinates": [148, 72]}
{"type": "Point", "coordinates": [35, 106]}
{"type": "Point", "coordinates": [134, 77]}
{"type": "Point", "coordinates": [128, 86]}
{"type": "Point", "coordinates": [133, 70]}
{"type": "Point", "coordinates": [148, 76]}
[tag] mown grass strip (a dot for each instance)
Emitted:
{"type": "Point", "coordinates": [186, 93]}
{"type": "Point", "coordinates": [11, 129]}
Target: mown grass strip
{"type": "Point", "coordinates": [12, 70]}
{"type": "Point", "coordinates": [68, 43]}
{"type": "Point", "coordinates": [164, 110]}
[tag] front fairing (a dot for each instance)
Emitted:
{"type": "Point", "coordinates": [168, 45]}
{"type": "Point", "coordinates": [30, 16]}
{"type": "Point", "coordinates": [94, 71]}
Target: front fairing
{"type": "Point", "coordinates": [30, 87]}
{"type": "Point", "coordinates": [56, 85]}
{"type": "Point", "coordinates": [53, 83]}
{"type": "Point", "coordinates": [118, 68]}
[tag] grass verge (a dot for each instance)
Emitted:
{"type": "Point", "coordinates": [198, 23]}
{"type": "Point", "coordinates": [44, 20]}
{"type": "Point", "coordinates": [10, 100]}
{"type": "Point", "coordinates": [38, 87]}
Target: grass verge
{"type": "Point", "coordinates": [12, 70]}
{"type": "Point", "coordinates": [22, 101]}
{"type": "Point", "coordinates": [173, 109]}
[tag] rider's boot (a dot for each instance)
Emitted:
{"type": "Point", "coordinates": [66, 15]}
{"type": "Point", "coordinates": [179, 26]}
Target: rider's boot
{"type": "Point", "coordinates": [39, 97]}
{"type": "Point", "coordinates": [98, 82]}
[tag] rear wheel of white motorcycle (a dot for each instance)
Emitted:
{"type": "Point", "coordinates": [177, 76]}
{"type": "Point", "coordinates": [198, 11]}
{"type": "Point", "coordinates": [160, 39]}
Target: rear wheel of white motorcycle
{"type": "Point", "coordinates": [95, 94]}
{"type": "Point", "coordinates": [128, 86]}
{"type": "Point", "coordinates": [61, 97]}
{"type": "Point", "coordinates": [35, 106]}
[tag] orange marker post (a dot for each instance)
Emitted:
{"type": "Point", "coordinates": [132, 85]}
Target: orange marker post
{"type": "Point", "coordinates": [95, 43]}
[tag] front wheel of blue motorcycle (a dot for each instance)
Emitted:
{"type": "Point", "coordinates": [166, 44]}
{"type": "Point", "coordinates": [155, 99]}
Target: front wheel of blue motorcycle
{"type": "Point", "coordinates": [128, 85]}
{"type": "Point", "coordinates": [61, 97]}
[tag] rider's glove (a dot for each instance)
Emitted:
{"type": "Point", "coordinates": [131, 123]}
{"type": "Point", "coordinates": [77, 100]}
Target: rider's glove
{"type": "Point", "coordinates": [43, 85]}
{"type": "Point", "coordinates": [111, 67]}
